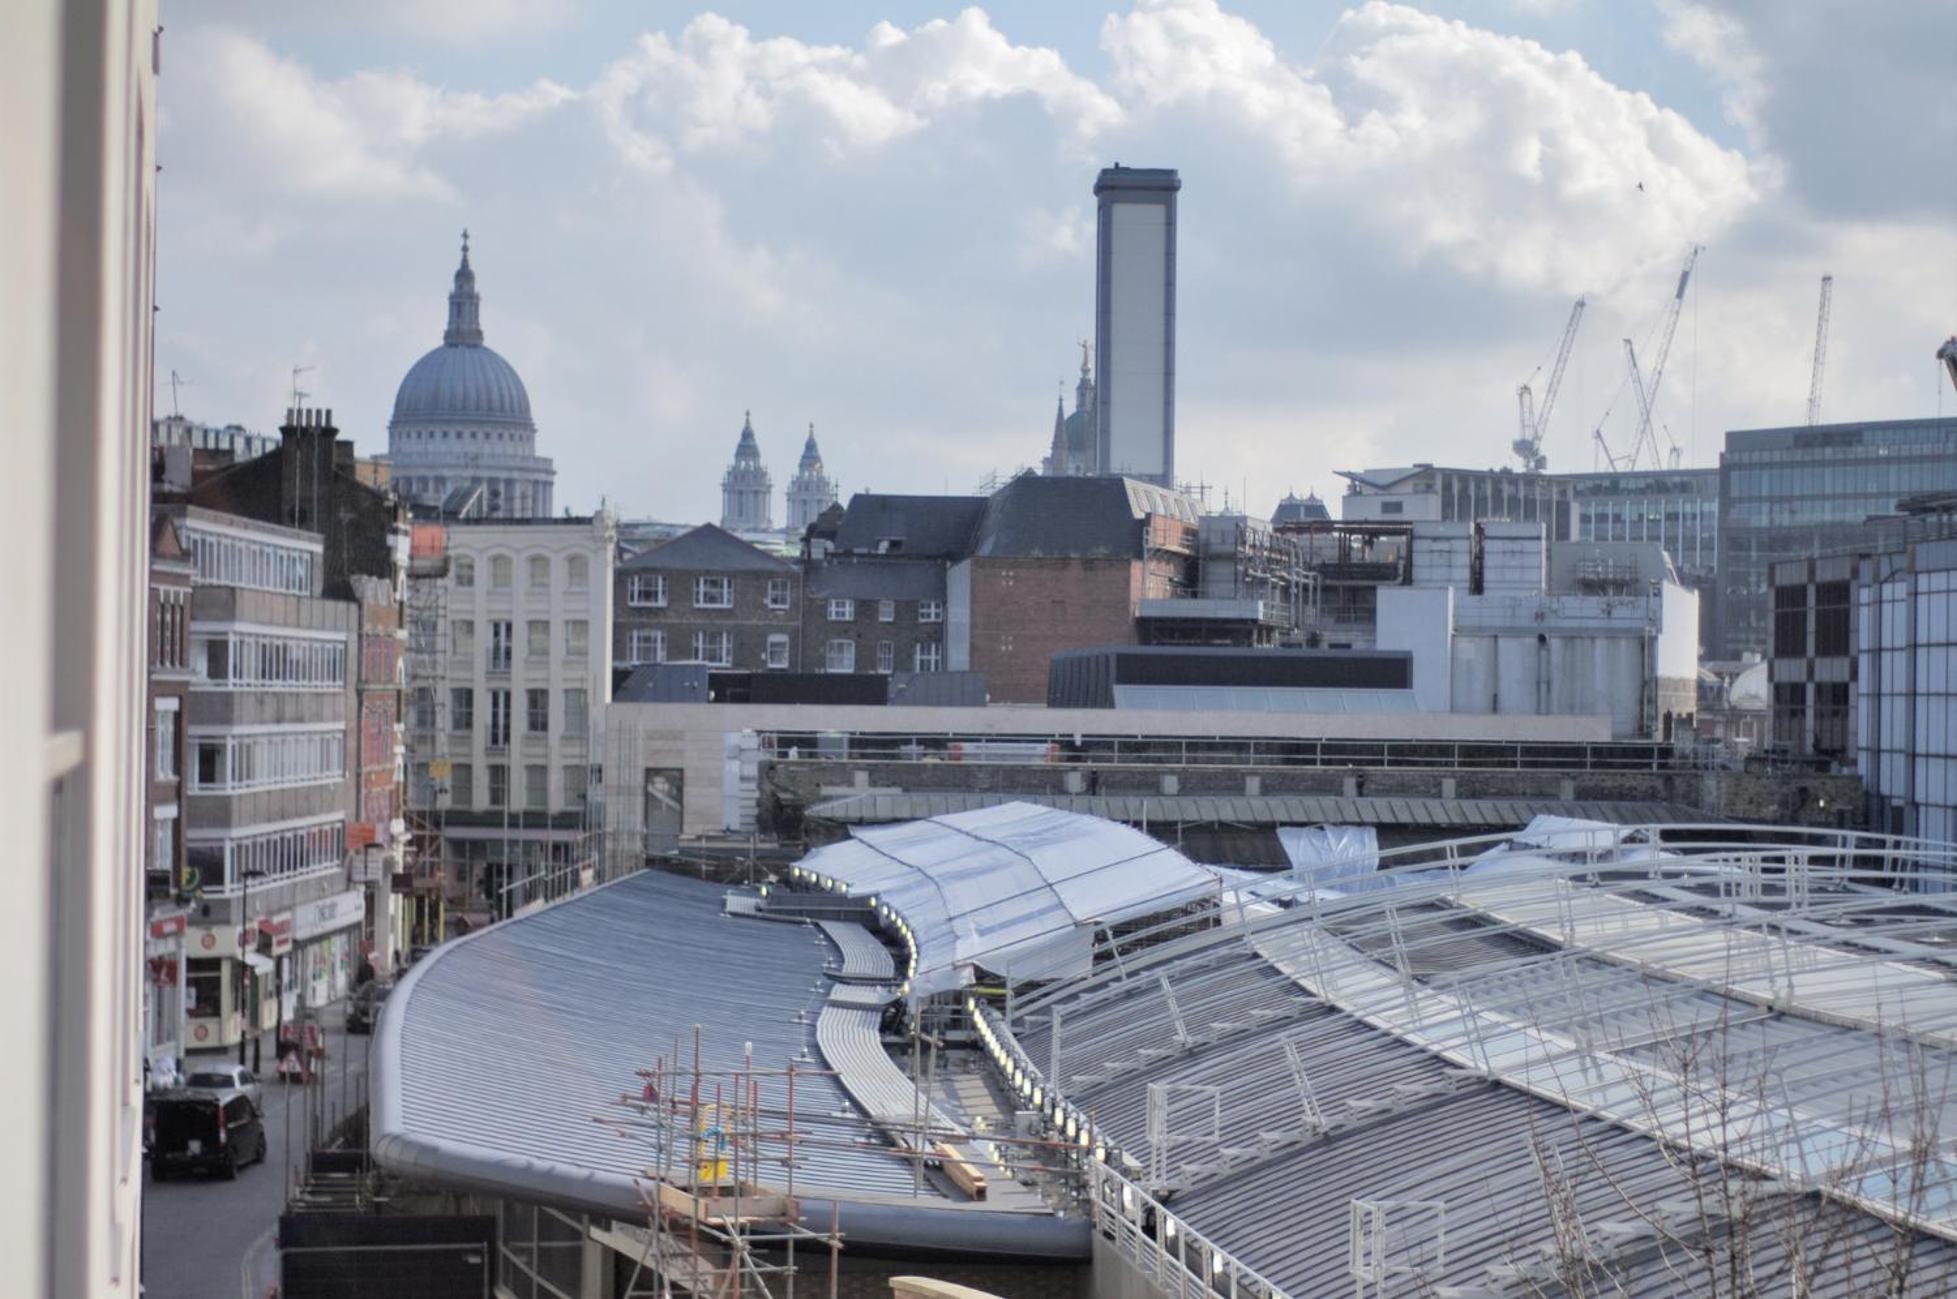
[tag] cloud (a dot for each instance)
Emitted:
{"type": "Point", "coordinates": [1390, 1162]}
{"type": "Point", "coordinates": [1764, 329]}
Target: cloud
{"type": "Point", "coordinates": [1506, 160]}
{"type": "Point", "coordinates": [1718, 43]}
{"type": "Point", "coordinates": [364, 136]}
{"type": "Point", "coordinates": [717, 88]}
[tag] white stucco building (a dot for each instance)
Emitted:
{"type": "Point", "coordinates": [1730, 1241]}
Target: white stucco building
{"type": "Point", "coordinates": [503, 715]}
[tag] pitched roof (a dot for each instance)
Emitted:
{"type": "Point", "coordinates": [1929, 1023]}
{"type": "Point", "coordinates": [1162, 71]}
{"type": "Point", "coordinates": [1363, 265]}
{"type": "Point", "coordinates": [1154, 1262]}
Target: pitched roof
{"type": "Point", "coordinates": [907, 579]}
{"type": "Point", "coordinates": [932, 527]}
{"type": "Point", "coordinates": [1061, 517]}
{"type": "Point", "coordinates": [708, 547]}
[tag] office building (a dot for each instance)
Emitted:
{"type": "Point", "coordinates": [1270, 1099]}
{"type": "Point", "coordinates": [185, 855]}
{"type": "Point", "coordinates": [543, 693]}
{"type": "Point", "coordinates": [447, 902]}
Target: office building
{"type": "Point", "coordinates": [1794, 493]}
{"type": "Point", "coordinates": [1135, 323]}
{"type": "Point", "coordinates": [1906, 688]}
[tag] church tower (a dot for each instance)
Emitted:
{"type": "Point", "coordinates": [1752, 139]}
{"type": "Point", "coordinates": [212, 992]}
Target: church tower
{"type": "Point", "coordinates": [812, 491]}
{"type": "Point", "coordinates": [746, 491]}
{"type": "Point", "coordinates": [1073, 453]}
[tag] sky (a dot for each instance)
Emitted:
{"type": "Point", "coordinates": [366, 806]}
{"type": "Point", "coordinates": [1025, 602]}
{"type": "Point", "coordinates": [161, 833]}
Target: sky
{"type": "Point", "coordinates": [877, 218]}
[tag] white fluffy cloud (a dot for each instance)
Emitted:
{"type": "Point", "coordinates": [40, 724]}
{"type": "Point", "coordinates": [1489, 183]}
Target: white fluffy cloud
{"type": "Point", "coordinates": [718, 88]}
{"type": "Point", "coordinates": [270, 118]}
{"type": "Point", "coordinates": [1509, 161]}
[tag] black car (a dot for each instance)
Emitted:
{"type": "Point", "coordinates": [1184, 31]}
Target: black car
{"type": "Point", "coordinates": [204, 1131]}
{"type": "Point", "coordinates": [364, 1007]}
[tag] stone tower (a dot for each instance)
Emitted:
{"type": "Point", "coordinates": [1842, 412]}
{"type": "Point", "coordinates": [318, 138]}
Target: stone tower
{"type": "Point", "coordinates": [812, 490]}
{"type": "Point", "coordinates": [746, 491]}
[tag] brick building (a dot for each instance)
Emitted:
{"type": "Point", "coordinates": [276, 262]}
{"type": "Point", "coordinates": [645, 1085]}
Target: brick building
{"type": "Point", "coordinates": [1061, 564]}
{"type": "Point", "coordinates": [706, 596]}
{"type": "Point", "coordinates": [168, 679]}
{"type": "Point", "coordinates": [875, 575]}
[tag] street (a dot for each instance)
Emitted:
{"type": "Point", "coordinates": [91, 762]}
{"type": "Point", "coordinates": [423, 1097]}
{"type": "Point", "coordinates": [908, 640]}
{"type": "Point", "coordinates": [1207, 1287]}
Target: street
{"type": "Point", "coordinates": [196, 1231]}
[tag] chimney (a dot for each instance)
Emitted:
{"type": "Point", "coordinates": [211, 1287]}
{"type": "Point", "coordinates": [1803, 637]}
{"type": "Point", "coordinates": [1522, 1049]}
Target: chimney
{"type": "Point", "coordinates": [306, 469]}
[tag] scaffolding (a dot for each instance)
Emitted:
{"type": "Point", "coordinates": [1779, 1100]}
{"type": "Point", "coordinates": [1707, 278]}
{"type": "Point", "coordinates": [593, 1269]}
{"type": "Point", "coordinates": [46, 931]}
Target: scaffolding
{"type": "Point", "coordinates": [427, 733]}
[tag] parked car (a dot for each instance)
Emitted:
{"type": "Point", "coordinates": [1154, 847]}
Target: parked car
{"type": "Point", "coordinates": [226, 1078]}
{"type": "Point", "coordinates": [364, 1007]}
{"type": "Point", "coordinates": [203, 1131]}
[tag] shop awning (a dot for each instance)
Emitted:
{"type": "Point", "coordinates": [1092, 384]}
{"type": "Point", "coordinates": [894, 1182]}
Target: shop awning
{"type": "Point", "coordinates": [261, 964]}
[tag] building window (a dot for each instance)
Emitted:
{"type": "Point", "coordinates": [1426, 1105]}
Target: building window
{"type": "Point", "coordinates": [224, 560]}
{"type": "Point", "coordinates": [841, 656]}
{"type": "Point", "coordinates": [842, 610]}
{"type": "Point", "coordinates": [462, 637]}
{"type": "Point", "coordinates": [465, 572]}
{"type": "Point", "coordinates": [167, 767]}
{"type": "Point", "coordinates": [500, 636]}
{"type": "Point", "coordinates": [886, 611]}
{"type": "Point", "coordinates": [574, 786]}
{"type": "Point", "coordinates": [163, 843]}
{"type": "Point", "coordinates": [268, 760]}
{"type": "Point", "coordinates": [536, 641]}
{"type": "Point", "coordinates": [930, 657]}
{"type": "Point", "coordinates": [421, 708]}
{"type": "Point", "coordinates": [713, 593]}
{"type": "Point", "coordinates": [575, 712]}
{"type": "Point", "coordinates": [777, 593]}
{"type": "Point", "coordinates": [536, 711]}
{"type": "Point", "coordinates": [646, 590]}
{"type": "Point", "coordinates": [886, 656]}
{"type": "Point", "coordinates": [715, 647]}
{"type": "Point", "coordinates": [930, 611]}
{"type": "Point", "coordinates": [536, 787]}
{"type": "Point", "coordinates": [577, 636]}
{"type": "Point", "coordinates": [499, 719]}
{"type": "Point", "coordinates": [230, 660]}
{"type": "Point", "coordinates": [462, 785]}
{"type": "Point", "coordinates": [577, 572]}
{"type": "Point", "coordinates": [647, 645]}
{"type": "Point", "coordinates": [501, 573]}
{"type": "Point", "coordinates": [462, 708]}
{"type": "Point", "coordinates": [539, 572]}
{"type": "Point", "coordinates": [221, 863]}
{"type": "Point", "coordinates": [499, 785]}
{"type": "Point", "coordinates": [778, 651]}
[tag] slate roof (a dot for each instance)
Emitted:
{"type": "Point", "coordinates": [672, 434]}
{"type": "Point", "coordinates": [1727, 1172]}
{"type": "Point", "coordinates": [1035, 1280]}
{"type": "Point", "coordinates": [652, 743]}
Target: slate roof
{"type": "Point", "coordinates": [707, 548]}
{"type": "Point", "coordinates": [932, 527]}
{"type": "Point", "coordinates": [1082, 518]}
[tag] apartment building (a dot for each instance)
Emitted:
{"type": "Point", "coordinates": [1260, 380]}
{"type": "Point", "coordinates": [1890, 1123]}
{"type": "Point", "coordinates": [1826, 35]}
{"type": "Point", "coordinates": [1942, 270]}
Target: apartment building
{"type": "Point", "coordinates": [707, 596]}
{"type": "Point", "coordinates": [510, 661]}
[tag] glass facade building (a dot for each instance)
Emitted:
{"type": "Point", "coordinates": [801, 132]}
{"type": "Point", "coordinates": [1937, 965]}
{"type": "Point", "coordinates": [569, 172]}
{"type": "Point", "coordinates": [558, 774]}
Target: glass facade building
{"type": "Point", "coordinates": [1796, 493]}
{"type": "Point", "coordinates": [1906, 689]}
{"type": "Point", "coordinates": [1678, 508]}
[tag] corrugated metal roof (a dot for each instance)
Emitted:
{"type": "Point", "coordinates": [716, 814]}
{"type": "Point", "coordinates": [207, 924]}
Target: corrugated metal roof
{"type": "Point", "coordinates": [1242, 809]}
{"type": "Point", "coordinates": [519, 1041]}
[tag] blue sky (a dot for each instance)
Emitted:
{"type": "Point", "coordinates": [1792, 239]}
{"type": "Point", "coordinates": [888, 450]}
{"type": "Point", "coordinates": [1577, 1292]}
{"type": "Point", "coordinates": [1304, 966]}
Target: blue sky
{"type": "Point", "coordinates": [877, 217]}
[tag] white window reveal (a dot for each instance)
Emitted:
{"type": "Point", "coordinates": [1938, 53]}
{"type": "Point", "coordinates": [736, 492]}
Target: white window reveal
{"type": "Point", "coordinates": [713, 592]}
{"type": "Point", "coordinates": [648, 645]}
{"type": "Point", "coordinates": [778, 651]}
{"type": "Point", "coordinates": [646, 590]}
{"type": "Point", "coordinates": [715, 647]}
{"type": "Point", "coordinates": [841, 656]}
{"type": "Point", "coordinates": [842, 610]}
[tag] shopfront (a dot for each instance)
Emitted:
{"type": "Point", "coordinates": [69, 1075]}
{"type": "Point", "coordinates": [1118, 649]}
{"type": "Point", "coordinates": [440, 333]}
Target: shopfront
{"type": "Point", "coordinates": [326, 934]}
{"type": "Point", "coordinates": [164, 990]}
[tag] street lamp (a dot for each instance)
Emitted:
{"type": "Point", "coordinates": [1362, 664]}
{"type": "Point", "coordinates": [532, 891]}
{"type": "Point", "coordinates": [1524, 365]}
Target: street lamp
{"type": "Point", "coordinates": [246, 925]}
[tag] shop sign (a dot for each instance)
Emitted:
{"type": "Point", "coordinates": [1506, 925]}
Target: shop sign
{"type": "Point", "coordinates": [341, 911]}
{"type": "Point", "coordinates": [210, 942]}
{"type": "Point", "coordinates": [163, 971]}
{"type": "Point", "coordinates": [275, 934]}
{"type": "Point", "coordinates": [164, 926]}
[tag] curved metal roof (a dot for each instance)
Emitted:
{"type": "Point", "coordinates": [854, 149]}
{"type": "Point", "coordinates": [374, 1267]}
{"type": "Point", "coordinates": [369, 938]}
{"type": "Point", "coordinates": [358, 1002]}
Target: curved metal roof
{"type": "Point", "coordinates": [462, 383]}
{"type": "Point", "coordinates": [508, 1061]}
{"type": "Point", "coordinates": [1518, 1058]}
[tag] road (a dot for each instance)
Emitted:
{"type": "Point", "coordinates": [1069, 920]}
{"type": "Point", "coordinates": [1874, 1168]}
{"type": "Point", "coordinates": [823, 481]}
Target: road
{"type": "Point", "coordinates": [196, 1232]}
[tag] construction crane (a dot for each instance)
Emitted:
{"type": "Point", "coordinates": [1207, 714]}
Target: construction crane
{"type": "Point", "coordinates": [1647, 389]}
{"type": "Point", "coordinates": [1820, 349]}
{"type": "Point", "coordinates": [1528, 445]}
{"type": "Point", "coordinates": [1948, 355]}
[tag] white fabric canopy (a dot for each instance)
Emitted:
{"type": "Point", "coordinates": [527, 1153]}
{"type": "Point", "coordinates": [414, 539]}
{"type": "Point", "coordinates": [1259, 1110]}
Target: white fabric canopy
{"type": "Point", "coordinates": [1018, 889]}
